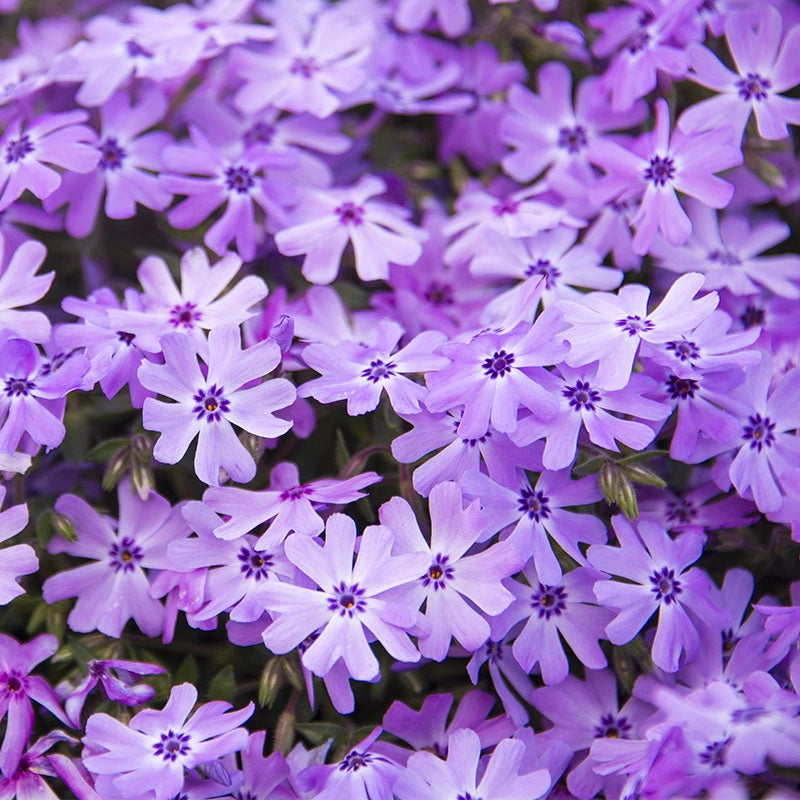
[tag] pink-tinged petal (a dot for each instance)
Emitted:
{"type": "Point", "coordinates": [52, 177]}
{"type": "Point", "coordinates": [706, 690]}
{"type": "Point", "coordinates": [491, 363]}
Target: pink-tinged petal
{"type": "Point", "coordinates": [177, 426]}
{"type": "Point", "coordinates": [218, 447]}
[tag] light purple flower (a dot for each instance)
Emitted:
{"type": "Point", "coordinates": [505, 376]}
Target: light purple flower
{"type": "Point", "coordinates": [207, 405]}
{"type": "Point", "coordinates": [453, 16]}
{"type": "Point", "coordinates": [114, 587]}
{"type": "Point", "coordinates": [18, 559]}
{"type": "Point", "coordinates": [21, 286]}
{"type": "Point", "coordinates": [152, 751]}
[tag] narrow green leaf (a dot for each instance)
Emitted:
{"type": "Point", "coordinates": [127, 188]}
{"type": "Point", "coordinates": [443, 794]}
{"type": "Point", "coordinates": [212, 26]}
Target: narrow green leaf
{"type": "Point", "coordinates": [223, 685]}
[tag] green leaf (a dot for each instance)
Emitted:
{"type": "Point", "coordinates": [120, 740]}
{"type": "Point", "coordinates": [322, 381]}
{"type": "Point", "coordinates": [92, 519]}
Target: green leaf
{"type": "Point", "coordinates": [223, 685]}
{"type": "Point", "coordinates": [187, 672]}
{"type": "Point", "coordinates": [341, 452]}
{"type": "Point", "coordinates": [640, 474]}
{"type": "Point", "coordinates": [107, 449]}
{"type": "Point", "coordinates": [319, 732]}
{"type": "Point", "coordinates": [44, 529]}
{"type": "Point", "coordinates": [80, 651]}
{"type": "Point", "coordinates": [644, 455]}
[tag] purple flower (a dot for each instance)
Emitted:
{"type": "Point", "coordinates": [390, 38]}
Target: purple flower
{"type": "Point", "coordinates": [426, 774]}
{"type": "Point", "coordinates": [124, 171]}
{"type": "Point", "coordinates": [152, 751]}
{"type": "Point", "coordinates": [17, 688]}
{"type": "Point", "coordinates": [207, 405]}
{"type": "Point", "coordinates": [656, 566]}
{"type": "Point", "coordinates": [289, 505]}
{"type": "Point", "coordinates": [661, 166]}
{"type": "Point", "coordinates": [360, 374]}
{"type": "Point", "coordinates": [453, 585]}
{"type": "Point", "coordinates": [349, 602]}
{"type": "Point", "coordinates": [21, 286]}
{"type": "Point", "coordinates": [328, 219]}
{"type": "Point", "coordinates": [27, 781]}
{"type": "Point", "coordinates": [18, 559]}
{"type": "Point", "coordinates": [55, 139]}
{"type": "Point", "coordinates": [114, 588]}
{"type": "Point", "coordinates": [452, 16]}
{"type": "Point", "coordinates": [120, 689]}
{"type": "Point", "coordinates": [763, 71]}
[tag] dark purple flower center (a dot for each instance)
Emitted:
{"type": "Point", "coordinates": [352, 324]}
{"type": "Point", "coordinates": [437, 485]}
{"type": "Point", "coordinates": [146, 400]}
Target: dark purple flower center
{"type": "Point", "coordinates": [573, 140]}
{"type": "Point", "coordinates": [549, 601]}
{"type": "Point", "coordinates": [640, 42]}
{"type": "Point", "coordinates": [665, 586]}
{"type": "Point", "coordinates": [507, 206]}
{"type": "Point", "coordinates": [438, 573]}
{"type": "Point", "coordinates": [466, 796]}
{"type": "Point", "coordinates": [172, 745]}
{"type": "Point", "coordinates": [728, 641]}
{"type": "Point", "coordinates": [759, 432]}
{"type": "Point", "coordinates": [612, 727]}
{"type": "Point", "coordinates": [254, 565]}
{"type": "Point", "coordinates": [307, 642]}
{"type": "Point", "coordinates": [681, 511]}
{"type": "Point", "coordinates": [18, 387]}
{"type": "Point", "coordinates": [715, 754]}
{"type": "Point", "coordinates": [126, 337]}
{"type": "Point", "coordinates": [295, 493]}
{"type": "Point", "coordinates": [96, 668]}
{"type": "Point", "coordinates": [185, 316]}
{"type": "Point", "coordinates": [471, 442]}
{"type": "Point", "coordinates": [544, 268]}
{"type": "Point", "coordinates": [747, 715]}
{"type": "Point", "coordinates": [753, 87]}
{"type": "Point", "coordinates": [305, 67]}
{"type": "Point", "coordinates": [136, 50]}
{"type": "Point", "coordinates": [259, 133]}
{"type": "Point", "coordinates": [683, 349]}
{"type": "Point", "coordinates": [347, 600]}
{"type": "Point", "coordinates": [13, 682]}
{"type": "Point", "coordinates": [752, 316]}
{"type": "Point", "coordinates": [494, 651]}
{"type": "Point", "coordinates": [581, 396]}
{"type": "Point", "coordinates": [725, 257]}
{"type": "Point", "coordinates": [681, 388]}
{"type": "Point", "coordinates": [55, 363]}
{"type": "Point", "coordinates": [17, 149]}
{"type": "Point", "coordinates": [243, 795]}
{"type": "Point", "coordinates": [660, 170]}
{"type": "Point", "coordinates": [211, 403]}
{"type": "Point", "coordinates": [111, 154]}
{"type": "Point", "coordinates": [534, 503]}
{"type": "Point", "coordinates": [439, 294]}
{"type": "Point", "coordinates": [633, 324]}
{"type": "Point", "coordinates": [239, 179]}
{"type": "Point", "coordinates": [349, 213]}
{"type": "Point", "coordinates": [498, 364]}
{"type": "Point", "coordinates": [379, 370]}
{"type": "Point", "coordinates": [125, 555]}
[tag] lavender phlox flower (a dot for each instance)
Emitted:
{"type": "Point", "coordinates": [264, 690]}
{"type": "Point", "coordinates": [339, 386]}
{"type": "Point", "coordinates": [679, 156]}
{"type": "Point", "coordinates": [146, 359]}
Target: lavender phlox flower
{"type": "Point", "coordinates": [658, 166]}
{"type": "Point", "coordinates": [435, 431]}
{"type": "Point", "coordinates": [766, 65]}
{"type": "Point", "coordinates": [545, 130]}
{"type": "Point", "coordinates": [236, 569]}
{"type": "Point", "coordinates": [27, 779]}
{"type": "Point", "coordinates": [207, 405]}
{"type": "Point", "coordinates": [452, 16]}
{"type": "Point", "coordinates": [328, 219]}
{"type": "Point", "coordinates": [564, 609]}
{"type": "Point", "coordinates": [474, 133]}
{"type": "Point", "coordinates": [306, 70]}
{"type": "Point", "coordinates": [183, 591]}
{"type": "Point", "coordinates": [583, 712]}
{"type": "Point", "coordinates": [151, 753]}
{"type": "Point", "coordinates": [656, 565]}
{"type": "Point", "coordinates": [609, 329]}
{"type": "Point", "coordinates": [536, 513]}
{"type": "Point", "coordinates": [494, 375]}
{"type": "Point", "coordinates": [195, 307]}
{"type": "Point", "coordinates": [503, 670]}
{"type": "Point", "coordinates": [120, 688]}
{"type": "Point", "coordinates": [114, 587]}
{"type": "Point", "coordinates": [28, 386]}
{"type": "Point", "coordinates": [727, 252]}
{"type": "Point", "coordinates": [610, 232]}
{"type": "Point", "coordinates": [117, 350]}
{"type": "Point", "coordinates": [18, 559]}
{"type": "Point", "coordinates": [289, 504]}
{"type": "Point", "coordinates": [428, 729]}
{"type": "Point", "coordinates": [241, 180]}
{"type": "Point", "coordinates": [640, 40]}
{"type": "Point", "coordinates": [485, 217]}
{"type": "Point", "coordinates": [25, 147]}
{"type": "Point", "coordinates": [456, 777]}
{"type": "Point", "coordinates": [349, 602]}
{"type": "Point", "coordinates": [128, 159]}
{"type": "Point", "coordinates": [585, 403]}
{"type": "Point", "coordinates": [115, 51]}
{"type": "Point", "coordinates": [261, 776]}
{"type": "Point", "coordinates": [16, 222]}
{"type": "Point", "coordinates": [453, 583]}
{"type": "Point", "coordinates": [363, 774]}
{"type": "Point", "coordinates": [21, 286]}
{"type": "Point", "coordinates": [782, 622]}
{"type": "Point", "coordinates": [360, 374]}
{"type": "Point", "coordinates": [18, 688]}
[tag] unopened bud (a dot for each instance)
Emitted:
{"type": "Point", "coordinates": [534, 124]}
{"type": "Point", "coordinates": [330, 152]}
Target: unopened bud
{"type": "Point", "coordinates": [640, 474]}
{"type": "Point", "coordinates": [282, 332]}
{"type": "Point", "coordinates": [284, 732]}
{"type": "Point", "coordinates": [142, 480]}
{"type": "Point", "coordinates": [253, 444]}
{"type": "Point", "coordinates": [607, 478]}
{"type": "Point", "coordinates": [116, 469]}
{"type": "Point", "coordinates": [142, 447]}
{"type": "Point", "coordinates": [625, 496]}
{"type": "Point", "coordinates": [270, 682]}
{"type": "Point", "coordinates": [63, 526]}
{"type": "Point", "coordinates": [294, 672]}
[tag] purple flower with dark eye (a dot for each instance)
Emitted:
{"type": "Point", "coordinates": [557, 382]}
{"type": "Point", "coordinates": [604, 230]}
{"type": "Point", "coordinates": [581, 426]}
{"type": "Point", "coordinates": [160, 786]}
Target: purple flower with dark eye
{"type": "Point", "coordinates": [55, 139]}
{"type": "Point", "coordinates": [21, 286]}
{"type": "Point", "coordinates": [350, 601]}
{"type": "Point", "coordinates": [151, 753]}
{"type": "Point", "coordinates": [656, 567]}
{"type": "Point", "coordinates": [18, 559]}
{"type": "Point", "coordinates": [209, 404]}
{"type": "Point", "coordinates": [327, 219]}
{"type": "Point", "coordinates": [766, 63]}
{"type": "Point", "coordinates": [114, 587]}
{"type": "Point", "coordinates": [662, 165]}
